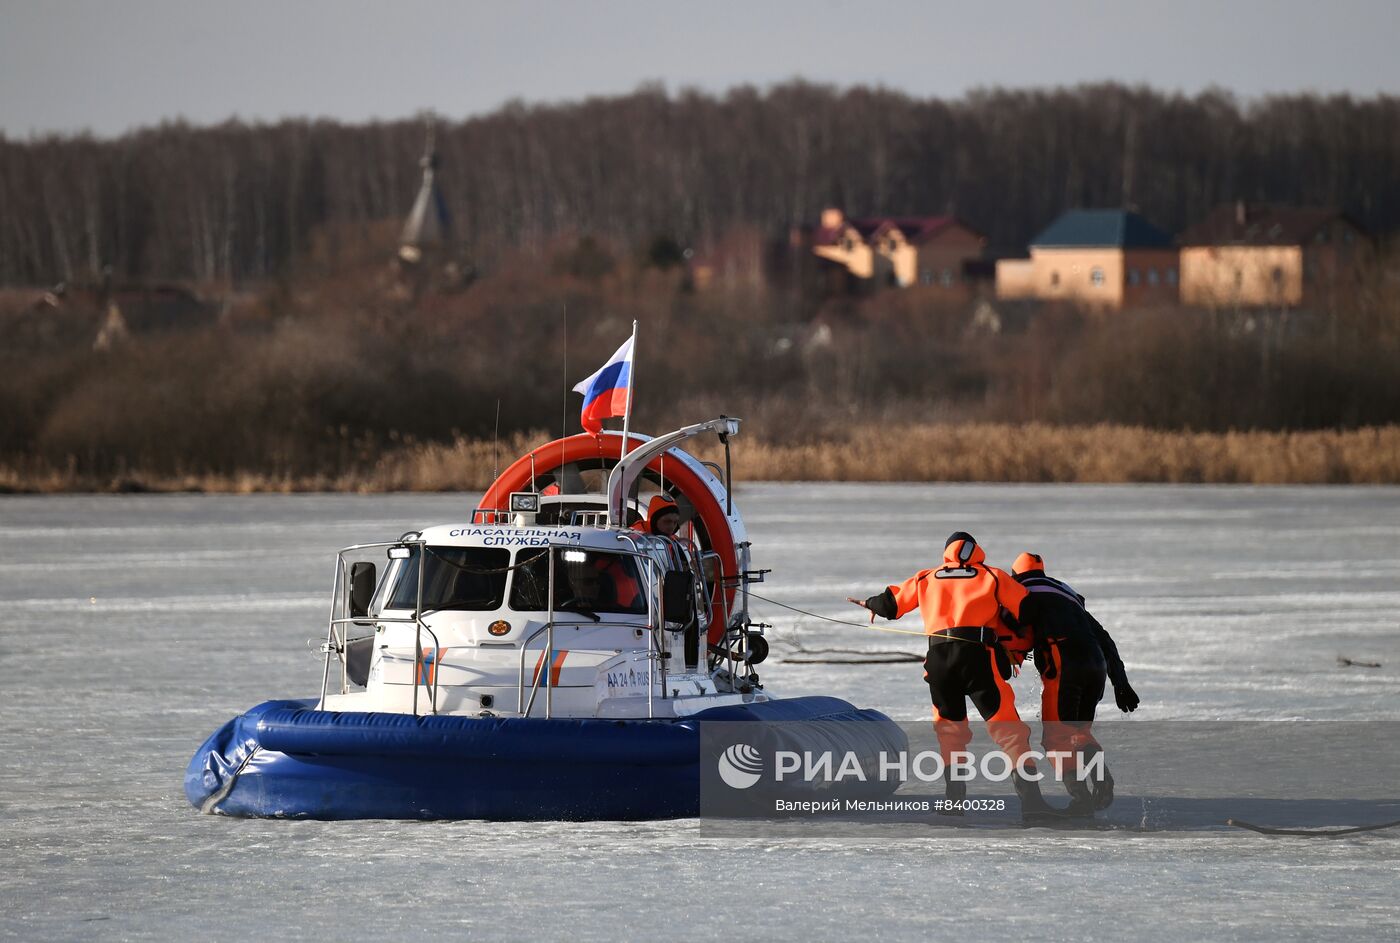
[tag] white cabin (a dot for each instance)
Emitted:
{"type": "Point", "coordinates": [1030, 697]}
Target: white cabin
{"type": "Point", "coordinates": [511, 617]}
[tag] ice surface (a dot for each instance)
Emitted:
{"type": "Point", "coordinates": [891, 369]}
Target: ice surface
{"type": "Point", "coordinates": [134, 625]}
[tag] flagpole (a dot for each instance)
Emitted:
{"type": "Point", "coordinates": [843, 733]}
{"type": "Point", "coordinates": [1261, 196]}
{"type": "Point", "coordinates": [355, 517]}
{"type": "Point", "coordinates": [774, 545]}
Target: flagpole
{"type": "Point", "coordinates": [631, 385]}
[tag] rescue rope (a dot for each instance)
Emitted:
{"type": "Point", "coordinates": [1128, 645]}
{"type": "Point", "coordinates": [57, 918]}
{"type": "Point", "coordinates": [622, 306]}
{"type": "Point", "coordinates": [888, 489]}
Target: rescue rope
{"type": "Point", "coordinates": [802, 655]}
{"type": "Point", "coordinates": [857, 625]}
{"type": "Point", "coordinates": [872, 658]}
{"type": "Point", "coordinates": [1311, 832]}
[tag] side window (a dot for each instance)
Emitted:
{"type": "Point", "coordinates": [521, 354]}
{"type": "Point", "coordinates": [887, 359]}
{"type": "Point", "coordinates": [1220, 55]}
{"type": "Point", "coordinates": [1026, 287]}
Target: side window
{"type": "Point", "coordinates": [382, 591]}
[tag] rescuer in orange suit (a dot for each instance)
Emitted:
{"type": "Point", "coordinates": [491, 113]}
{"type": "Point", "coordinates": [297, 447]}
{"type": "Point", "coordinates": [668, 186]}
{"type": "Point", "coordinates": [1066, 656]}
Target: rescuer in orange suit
{"type": "Point", "coordinates": [663, 517]}
{"type": "Point", "coordinates": [626, 589]}
{"type": "Point", "coordinates": [664, 520]}
{"type": "Point", "coordinates": [1075, 655]}
{"type": "Point", "coordinates": [971, 615]}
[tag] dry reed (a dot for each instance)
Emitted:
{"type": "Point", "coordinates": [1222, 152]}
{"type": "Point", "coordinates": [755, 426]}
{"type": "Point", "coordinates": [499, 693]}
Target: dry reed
{"type": "Point", "coordinates": [930, 452]}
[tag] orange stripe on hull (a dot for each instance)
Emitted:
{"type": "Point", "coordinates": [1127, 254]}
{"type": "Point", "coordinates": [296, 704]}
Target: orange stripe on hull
{"type": "Point", "coordinates": [556, 666]}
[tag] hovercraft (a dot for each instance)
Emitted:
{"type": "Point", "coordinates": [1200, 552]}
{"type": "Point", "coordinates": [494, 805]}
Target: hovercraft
{"type": "Point", "coordinates": [544, 660]}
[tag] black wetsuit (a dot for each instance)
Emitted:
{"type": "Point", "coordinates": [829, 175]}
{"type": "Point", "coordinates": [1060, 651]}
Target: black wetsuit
{"type": "Point", "coordinates": [1088, 655]}
{"type": "Point", "coordinates": [1075, 656]}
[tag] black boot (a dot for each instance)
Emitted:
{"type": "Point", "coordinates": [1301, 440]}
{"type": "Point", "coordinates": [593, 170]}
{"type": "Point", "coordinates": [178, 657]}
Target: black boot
{"type": "Point", "coordinates": [1100, 788]}
{"type": "Point", "coordinates": [955, 791]}
{"type": "Point", "coordinates": [1034, 808]}
{"type": "Point", "coordinates": [1103, 790]}
{"type": "Point", "coordinates": [1081, 799]}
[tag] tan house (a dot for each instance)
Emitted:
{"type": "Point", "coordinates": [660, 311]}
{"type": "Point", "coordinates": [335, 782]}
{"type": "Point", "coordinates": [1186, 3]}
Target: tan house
{"type": "Point", "coordinates": [1104, 259]}
{"type": "Point", "coordinates": [901, 251]}
{"type": "Point", "coordinates": [1254, 255]}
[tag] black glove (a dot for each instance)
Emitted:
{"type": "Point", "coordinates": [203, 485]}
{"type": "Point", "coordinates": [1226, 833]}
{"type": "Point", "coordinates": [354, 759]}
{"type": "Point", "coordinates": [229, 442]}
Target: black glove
{"type": "Point", "coordinates": [1044, 661]}
{"type": "Point", "coordinates": [1126, 697]}
{"type": "Point", "coordinates": [883, 605]}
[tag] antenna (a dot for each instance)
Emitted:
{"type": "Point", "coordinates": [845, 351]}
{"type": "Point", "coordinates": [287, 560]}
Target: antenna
{"type": "Point", "coordinates": [496, 444]}
{"type": "Point", "coordinates": [564, 423]}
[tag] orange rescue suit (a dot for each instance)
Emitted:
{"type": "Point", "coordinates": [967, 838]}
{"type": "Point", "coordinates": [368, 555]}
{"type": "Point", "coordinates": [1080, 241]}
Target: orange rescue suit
{"type": "Point", "coordinates": [967, 602]}
{"type": "Point", "coordinates": [966, 593]}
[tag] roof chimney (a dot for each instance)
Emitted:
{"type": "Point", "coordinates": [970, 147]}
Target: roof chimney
{"type": "Point", "coordinates": [832, 218]}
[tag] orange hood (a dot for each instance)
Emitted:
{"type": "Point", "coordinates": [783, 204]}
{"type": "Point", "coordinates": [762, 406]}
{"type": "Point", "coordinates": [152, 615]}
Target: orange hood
{"type": "Point", "coordinates": [963, 552]}
{"type": "Point", "coordinates": [659, 504]}
{"type": "Point", "coordinates": [1028, 563]}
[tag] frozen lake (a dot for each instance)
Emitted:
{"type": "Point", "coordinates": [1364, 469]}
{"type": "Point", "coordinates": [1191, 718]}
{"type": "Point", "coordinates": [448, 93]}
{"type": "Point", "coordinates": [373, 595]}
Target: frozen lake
{"type": "Point", "coordinates": [134, 625]}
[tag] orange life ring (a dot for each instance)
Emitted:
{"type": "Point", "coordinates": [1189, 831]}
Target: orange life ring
{"type": "Point", "coordinates": [560, 452]}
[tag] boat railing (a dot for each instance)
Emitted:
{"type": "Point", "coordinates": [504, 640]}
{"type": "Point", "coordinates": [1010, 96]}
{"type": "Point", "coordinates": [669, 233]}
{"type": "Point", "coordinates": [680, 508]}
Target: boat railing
{"type": "Point", "coordinates": [585, 518]}
{"type": "Point", "coordinates": [336, 634]}
{"type": "Point", "coordinates": [492, 516]}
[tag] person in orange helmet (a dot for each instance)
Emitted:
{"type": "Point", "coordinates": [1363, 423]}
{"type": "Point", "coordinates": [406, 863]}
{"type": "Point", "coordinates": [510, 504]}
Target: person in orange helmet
{"type": "Point", "coordinates": [663, 517]}
{"type": "Point", "coordinates": [664, 520]}
{"type": "Point", "coordinates": [971, 615]}
{"type": "Point", "coordinates": [1075, 655]}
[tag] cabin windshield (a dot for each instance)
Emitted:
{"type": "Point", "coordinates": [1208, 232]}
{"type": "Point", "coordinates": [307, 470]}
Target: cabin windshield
{"type": "Point", "coordinates": [462, 578]}
{"type": "Point", "coordinates": [584, 581]}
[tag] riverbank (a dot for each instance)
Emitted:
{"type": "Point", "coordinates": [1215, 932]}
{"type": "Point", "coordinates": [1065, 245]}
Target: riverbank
{"type": "Point", "coordinates": [929, 453]}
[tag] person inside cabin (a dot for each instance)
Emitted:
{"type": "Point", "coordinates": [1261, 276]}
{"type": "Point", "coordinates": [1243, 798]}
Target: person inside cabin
{"type": "Point", "coordinates": [588, 588]}
{"type": "Point", "coordinates": [626, 589]}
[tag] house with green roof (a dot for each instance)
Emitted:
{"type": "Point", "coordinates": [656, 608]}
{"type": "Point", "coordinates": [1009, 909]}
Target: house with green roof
{"type": "Point", "coordinates": [1100, 259]}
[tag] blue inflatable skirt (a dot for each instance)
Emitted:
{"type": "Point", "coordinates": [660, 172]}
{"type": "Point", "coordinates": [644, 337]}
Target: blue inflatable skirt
{"type": "Point", "coordinates": [283, 759]}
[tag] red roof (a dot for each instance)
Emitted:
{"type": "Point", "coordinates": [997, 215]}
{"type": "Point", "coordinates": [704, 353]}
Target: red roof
{"type": "Point", "coordinates": [915, 229]}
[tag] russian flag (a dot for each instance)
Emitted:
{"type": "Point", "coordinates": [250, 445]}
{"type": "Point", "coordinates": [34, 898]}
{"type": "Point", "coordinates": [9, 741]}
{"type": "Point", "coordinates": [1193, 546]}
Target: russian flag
{"type": "Point", "coordinates": [605, 392]}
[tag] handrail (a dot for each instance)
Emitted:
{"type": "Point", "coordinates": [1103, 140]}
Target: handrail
{"type": "Point", "coordinates": [375, 620]}
{"type": "Point", "coordinates": [520, 680]}
{"type": "Point", "coordinates": [650, 564]}
{"type": "Point", "coordinates": [630, 466]}
{"type": "Point", "coordinates": [656, 617]}
{"type": "Point", "coordinates": [521, 706]}
{"type": "Point", "coordinates": [337, 605]}
{"type": "Point", "coordinates": [551, 559]}
{"type": "Point", "coordinates": [330, 630]}
{"type": "Point", "coordinates": [418, 636]}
